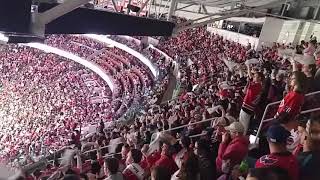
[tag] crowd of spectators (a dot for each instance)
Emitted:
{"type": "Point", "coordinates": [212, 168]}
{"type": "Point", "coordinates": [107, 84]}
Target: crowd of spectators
{"type": "Point", "coordinates": [43, 97]}
{"type": "Point", "coordinates": [46, 97]}
{"type": "Point", "coordinates": [114, 60]}
{"type": "Point", "coordinates": [230, 101]}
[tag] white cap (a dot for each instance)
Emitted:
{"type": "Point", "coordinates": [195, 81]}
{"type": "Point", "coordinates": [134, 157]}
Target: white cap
{"type": "Point", "coordinates": [235, 127]}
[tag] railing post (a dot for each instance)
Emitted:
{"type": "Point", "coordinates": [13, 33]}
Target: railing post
{"type": "Point", "coordinates": [260, 125]}
{"type": "Point", "coordinates": [277, 102]}
{"type": "Point", "coordinates": [172, 8]}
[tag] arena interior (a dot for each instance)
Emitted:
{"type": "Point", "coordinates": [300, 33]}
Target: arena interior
{"type": "Point", "coordinates": [160, 89]}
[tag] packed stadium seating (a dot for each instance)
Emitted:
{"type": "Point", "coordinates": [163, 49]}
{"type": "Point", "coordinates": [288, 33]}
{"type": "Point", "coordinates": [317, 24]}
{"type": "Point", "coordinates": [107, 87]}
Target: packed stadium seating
{"type": "Point", "coordinates": [45, 98]}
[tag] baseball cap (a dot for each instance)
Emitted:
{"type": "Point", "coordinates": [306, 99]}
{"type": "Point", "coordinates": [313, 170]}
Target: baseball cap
{"type": "Point", "coordinates": [235, 127]}
{"type": "Point", "coordinates": [277, 134]}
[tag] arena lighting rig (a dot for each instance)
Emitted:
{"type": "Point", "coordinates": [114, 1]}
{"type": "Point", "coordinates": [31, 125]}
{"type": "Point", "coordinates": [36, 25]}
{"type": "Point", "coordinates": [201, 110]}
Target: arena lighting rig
{"type": "Point", "coordinates": [23, 22]}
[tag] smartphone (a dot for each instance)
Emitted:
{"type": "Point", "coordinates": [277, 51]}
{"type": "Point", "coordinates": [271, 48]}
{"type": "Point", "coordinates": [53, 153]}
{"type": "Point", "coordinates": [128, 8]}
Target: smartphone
{"type": "Point", "coordinates": [252, 139]}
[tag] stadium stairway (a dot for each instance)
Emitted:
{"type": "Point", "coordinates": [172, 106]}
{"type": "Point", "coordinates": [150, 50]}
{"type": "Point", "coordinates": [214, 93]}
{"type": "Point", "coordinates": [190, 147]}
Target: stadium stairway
{"type": "Point", "coordinates": [170, 88]}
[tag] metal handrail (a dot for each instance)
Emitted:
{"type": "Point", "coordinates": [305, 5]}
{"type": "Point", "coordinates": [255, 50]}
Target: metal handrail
{"type": "Point", "coordinates": [112, 154]}
{"type": "Point", "coordinates": [179, 127]}
{"type": "Point", "coordinates": [186, 125]}
{"type": "Point", "coordinates": [104, 147]}
{"type": "Point", "coordinates": [278, 102]}
{"type": "Point", "coordinates": [173, 99]}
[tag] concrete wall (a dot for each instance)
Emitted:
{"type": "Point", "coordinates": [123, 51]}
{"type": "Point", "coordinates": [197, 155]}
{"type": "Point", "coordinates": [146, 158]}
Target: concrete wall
{"type": "Point", "coordinates": [316, 30]}
{"type": "Point", "coordinates": [270, 31]}
{"type": "Point", "coordinates": [289, 31]}
{"type": "Point", "coordinates": [236, 37]}
{"type": "Point", "coordinates": [274, 30]}
{"type": "Point", "coordinates": [309, 29]}
{"type": "Point", "coordinates": [306, 32]}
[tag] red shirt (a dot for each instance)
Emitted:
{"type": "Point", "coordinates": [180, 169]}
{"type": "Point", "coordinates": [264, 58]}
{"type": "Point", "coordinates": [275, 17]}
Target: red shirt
{"type": "Point", "coordinates": [283, 160]}
{"type": "Point", "coordinates": [291, 104]}
{"type": "Point", "coordinates": [168, 163]}
{"type": "Point", "coordinates": [235, 151]}
{"type": "Point", "coordinates": [153, 158]}
{"type": "Point", "coordinates": [252, 96]}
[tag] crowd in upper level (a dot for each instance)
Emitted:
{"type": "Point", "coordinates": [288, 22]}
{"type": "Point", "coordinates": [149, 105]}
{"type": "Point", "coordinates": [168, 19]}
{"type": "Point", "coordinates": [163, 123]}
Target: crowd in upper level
{"type": "Point", "coordinates": [224, 84]}
{"type": "Point", "coordinates": [45, 97]}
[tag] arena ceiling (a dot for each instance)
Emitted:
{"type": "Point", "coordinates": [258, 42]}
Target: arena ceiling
{"type": "Point", "coordinates": [228, 3]}
{"type": "Point", "coordinates": [216, 10]}
{"type": "Point", "coordinates": [208, 10]}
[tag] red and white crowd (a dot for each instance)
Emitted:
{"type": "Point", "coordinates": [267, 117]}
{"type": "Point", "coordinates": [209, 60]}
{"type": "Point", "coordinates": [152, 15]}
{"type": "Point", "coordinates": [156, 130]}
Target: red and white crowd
{"type": "Point", "coordinates": [220, 80]}
{"type": "Point", "coordinates": [45, 97]}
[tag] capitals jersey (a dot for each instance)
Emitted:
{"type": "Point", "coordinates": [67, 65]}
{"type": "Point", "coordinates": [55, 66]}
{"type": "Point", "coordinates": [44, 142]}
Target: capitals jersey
{"type": "Point", "coordinates": [252, 96]}
{"type": "Point", "coordinates": [291, 104]}
{"type": "Point", "coordinates": [284, 160]}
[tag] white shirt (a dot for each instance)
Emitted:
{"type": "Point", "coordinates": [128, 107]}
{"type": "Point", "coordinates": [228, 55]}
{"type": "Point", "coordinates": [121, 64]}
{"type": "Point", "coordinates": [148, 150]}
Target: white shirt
{"type": "Point", "coordinates": [117, 176]}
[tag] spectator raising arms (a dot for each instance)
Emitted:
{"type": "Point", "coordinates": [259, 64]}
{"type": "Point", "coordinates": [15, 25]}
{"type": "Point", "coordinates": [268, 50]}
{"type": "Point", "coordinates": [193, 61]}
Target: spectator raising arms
{"type": "Point", "coordinates": [49, 103]}
{"type": "Point", "coordinates": [251, 99]}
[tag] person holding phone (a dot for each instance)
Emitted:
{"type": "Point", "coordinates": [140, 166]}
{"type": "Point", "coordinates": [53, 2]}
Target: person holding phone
{"type": "Point", "coordinates": [233, 148]}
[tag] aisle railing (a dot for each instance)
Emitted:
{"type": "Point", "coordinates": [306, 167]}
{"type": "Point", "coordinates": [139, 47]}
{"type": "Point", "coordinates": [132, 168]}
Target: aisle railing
{"type": "Point", "coordinates": [210, 119]}
{"type": "Point", "coordinates": [171, 129]}
{"type": "Point", "coordinates": [263, 120]}
{"type": "Point", "coordinates": [168, 130]}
